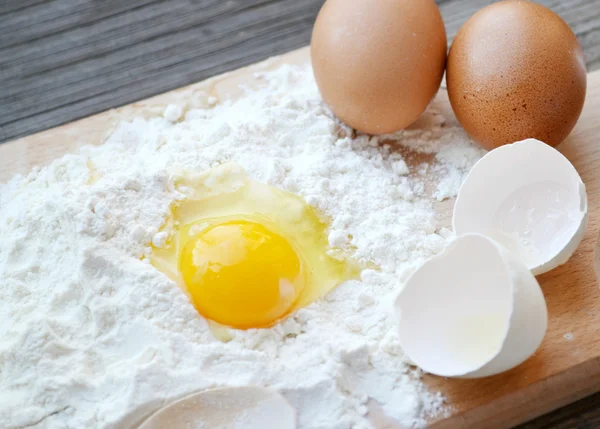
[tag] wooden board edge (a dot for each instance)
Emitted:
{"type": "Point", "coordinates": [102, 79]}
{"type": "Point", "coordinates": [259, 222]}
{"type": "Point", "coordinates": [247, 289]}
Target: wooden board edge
{"type": "Point", "coordinates": [530, 402]}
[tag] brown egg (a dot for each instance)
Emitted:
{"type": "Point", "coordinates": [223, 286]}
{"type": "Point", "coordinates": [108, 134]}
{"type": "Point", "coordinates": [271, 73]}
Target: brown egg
{"type": "Point", "coordinates": [378, 63]}
{"type": "Point", "coordinates": [515, 70]}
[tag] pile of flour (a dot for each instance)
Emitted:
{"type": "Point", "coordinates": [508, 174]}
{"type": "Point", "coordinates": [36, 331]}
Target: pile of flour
{"type": "Point", "coordinates": [92, 336]}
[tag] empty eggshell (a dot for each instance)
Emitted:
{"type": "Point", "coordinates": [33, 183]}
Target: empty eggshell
{"type": "Point", "coordinates": [473, 311]}
{"type": "Point", "coordinates": [226, 408]}
{"type": "Point", "coordinates": [528, 197]}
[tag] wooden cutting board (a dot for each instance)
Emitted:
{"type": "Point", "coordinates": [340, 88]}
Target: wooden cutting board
{"type": "Point", "coordinates": [566, 368]}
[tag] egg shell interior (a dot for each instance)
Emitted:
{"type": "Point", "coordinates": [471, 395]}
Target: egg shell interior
{"type": "Point", "coordinates": [528, 197]}
{"type": "Point", "coordinates": [472, 311]}
{"type": "Point", "coordinates": [455, 311]}
{"type": "Point", "coordinates": [223, 408]}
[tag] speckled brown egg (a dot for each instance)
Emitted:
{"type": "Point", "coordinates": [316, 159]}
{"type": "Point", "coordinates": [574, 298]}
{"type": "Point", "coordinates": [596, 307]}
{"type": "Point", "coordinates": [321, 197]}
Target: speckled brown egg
{"type": "Point", "coordinates": [378, 63]}
{"type": "Point", "coordinates": [516, 70]}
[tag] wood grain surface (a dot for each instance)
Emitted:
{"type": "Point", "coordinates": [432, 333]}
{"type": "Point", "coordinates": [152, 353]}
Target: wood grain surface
{"type": "Point", "coordinates": [62, 60]}
{"type": "Point", "coordinates": [66, 59]}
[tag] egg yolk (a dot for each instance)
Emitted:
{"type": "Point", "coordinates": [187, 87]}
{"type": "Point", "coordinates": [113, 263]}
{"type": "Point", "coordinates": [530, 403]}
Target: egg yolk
{"type": "Point", "coordinates": [241, 274]}
{"type": "Point", "coordinates": [246, 253]}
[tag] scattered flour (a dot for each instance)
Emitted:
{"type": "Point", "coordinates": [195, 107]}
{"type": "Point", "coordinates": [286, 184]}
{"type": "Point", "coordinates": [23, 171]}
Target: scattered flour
{"type": "Point", "coordinates": [173, 113]}
{"type": "Point", "coordinates": [91, 336]}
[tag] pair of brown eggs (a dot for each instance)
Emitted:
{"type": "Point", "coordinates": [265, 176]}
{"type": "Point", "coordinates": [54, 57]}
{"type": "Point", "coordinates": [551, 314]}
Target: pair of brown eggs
{"type": "Point", "coordinates": [515, 69]}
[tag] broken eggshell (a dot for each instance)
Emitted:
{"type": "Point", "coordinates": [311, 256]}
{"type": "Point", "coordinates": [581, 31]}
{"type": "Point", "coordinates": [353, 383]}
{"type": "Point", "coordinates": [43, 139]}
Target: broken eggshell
{"type": "Point", "coordinates": [528, 197]}
{"type": "Point", "coordinates": [475, 310]}
{"type": "Point", "coordinates": [225, 408]}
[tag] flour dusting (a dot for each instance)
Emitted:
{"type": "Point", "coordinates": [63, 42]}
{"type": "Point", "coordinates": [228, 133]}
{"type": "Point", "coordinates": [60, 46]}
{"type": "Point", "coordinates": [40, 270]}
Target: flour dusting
{"type": "Point", "coordinates": [92, 336]}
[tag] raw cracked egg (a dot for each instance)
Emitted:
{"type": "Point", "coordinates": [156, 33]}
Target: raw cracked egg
{"type": "Point", "coordinates": [516, 71]}
{"type": "Point", "coordinates": [378, 63]}
{"type": "Point", "coordinates": [247, 254]}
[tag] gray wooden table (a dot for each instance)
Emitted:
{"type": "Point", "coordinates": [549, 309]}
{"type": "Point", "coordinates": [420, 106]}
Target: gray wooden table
{"type": "Point", "coordinates": [62, 60]}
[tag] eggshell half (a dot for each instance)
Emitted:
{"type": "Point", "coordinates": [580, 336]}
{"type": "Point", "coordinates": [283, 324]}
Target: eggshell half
{"type": "Point", "coordinates": [528, 197]}
{"type": "Point", "coordinates": [473, 311]}
{"type": "Point", "coordinates": [247, 407]}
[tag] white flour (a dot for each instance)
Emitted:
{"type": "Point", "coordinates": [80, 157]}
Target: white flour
{"type": "Point", "coordinates": [92, 337]}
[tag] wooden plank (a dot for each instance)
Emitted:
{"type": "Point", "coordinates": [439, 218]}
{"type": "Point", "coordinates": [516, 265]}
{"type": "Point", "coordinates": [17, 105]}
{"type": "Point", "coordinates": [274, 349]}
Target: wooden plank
{"type": "Point", "coordinates": [562, 371]}
{"type": "Point", "coordinates": [62, 60]}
